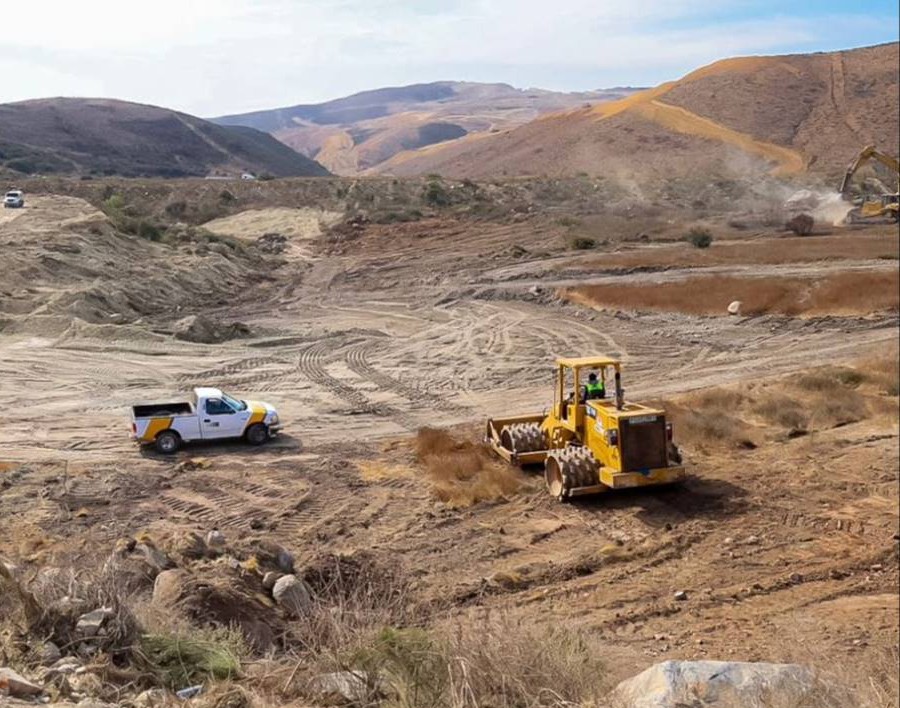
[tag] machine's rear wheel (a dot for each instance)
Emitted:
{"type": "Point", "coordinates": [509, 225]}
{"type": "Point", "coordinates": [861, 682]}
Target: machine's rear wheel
{"type": "Point", "coordinates": [568, 469]}
{"type": "Point", "coordinates": [523, 437]}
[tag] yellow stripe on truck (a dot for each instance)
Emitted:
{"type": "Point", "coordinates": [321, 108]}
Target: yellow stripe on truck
{"type": "Point", "coordinates": [258, 415]}
{"type": "Point", "coordinates": [155, 427]}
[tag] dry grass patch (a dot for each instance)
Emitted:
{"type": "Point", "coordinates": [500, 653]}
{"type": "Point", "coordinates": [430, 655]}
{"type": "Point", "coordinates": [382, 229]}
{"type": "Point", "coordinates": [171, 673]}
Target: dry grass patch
{"type": "Point", "coordinates": [849, 293]}
{"type": "Point", "coordinates": [782, 410]}
{"type": "Point", "coordinates": [463, 473]}
{"type": "Point", "coordinates": [792, 249]}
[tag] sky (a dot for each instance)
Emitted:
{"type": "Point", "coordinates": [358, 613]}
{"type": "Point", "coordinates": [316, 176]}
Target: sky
{"type": "Point", "coordinates": [213, 57]}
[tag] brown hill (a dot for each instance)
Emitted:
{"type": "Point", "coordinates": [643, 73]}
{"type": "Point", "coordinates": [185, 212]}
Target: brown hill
{"type": "Point", "coordinates": [358, 132]}
{"type": "Point", "coordinates": [106, 137]}
{"type": "Point", "coordinates": [794, 113]}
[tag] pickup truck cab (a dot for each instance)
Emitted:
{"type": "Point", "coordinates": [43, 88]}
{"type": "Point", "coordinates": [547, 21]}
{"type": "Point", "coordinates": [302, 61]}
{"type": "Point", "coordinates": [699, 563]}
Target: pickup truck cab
{"type": "Point", "coordinates": [211, 415]}
{"type": "Point", "coordinates": [14, 199]}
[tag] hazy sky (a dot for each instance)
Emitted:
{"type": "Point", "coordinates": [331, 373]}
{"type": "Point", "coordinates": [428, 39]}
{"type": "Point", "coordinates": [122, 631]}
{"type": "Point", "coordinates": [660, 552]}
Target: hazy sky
{"type": "Point", "coordinates": [210, 57]}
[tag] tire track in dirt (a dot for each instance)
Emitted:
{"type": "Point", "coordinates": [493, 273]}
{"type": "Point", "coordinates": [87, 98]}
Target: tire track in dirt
{"type": "Point", "coordinates": [311, 365]}
{"type": "Point", "coordinates": [357, 358]}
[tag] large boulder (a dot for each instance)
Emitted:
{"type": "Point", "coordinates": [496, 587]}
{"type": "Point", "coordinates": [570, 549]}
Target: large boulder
{"type": "Point", "coordinates": [16, 685]}
{"type": "Point", "coordinates": [714, 684]}
{"type": "Point", "coordinates": [292, 595]}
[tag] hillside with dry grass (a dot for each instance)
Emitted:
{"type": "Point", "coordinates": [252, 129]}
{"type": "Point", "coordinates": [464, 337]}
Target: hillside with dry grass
{"type": "Point", "coordinates": [95, 137]}
{"type": "Point", "coordinates": [785, 114]}
{"type": "Point", "coordinates": [359, 132]}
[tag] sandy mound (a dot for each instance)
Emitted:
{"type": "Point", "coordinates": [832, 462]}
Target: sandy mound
{"type": "Point", "coordinates": [305, 223]}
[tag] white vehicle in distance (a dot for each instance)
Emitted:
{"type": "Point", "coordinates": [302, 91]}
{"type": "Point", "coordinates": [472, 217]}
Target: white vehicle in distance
{"type": "Point", "coordinates": [14, 199]}
{"type": "Point", "coordinates": [211, 415]}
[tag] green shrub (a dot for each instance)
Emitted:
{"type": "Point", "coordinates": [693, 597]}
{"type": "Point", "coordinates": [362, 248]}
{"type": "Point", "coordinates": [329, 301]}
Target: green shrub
{"type": "Point", "coordinates": [148, 230]}
{"type": "Point", "coordinates": [435, 194]}
{"type": "Point", "coordinates": [179, 660]}
{"type": "Point", "coordinates": [582, 243]}
{"type": "Point", "coordinates": [699, 237]}
{"type": "Point", "coordinates": [226, 197]}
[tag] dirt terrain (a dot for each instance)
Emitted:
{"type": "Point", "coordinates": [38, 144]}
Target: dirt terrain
{"type": "Point", "coordinates": [784, 542]}
{"type": "Point", "coordinates": [788, 114]}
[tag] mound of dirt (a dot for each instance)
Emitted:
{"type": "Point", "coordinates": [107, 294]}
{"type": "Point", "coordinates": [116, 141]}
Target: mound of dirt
{"type": "Point", "coordinates": [65, 262]}
{"type": "Point", "coordinates": [300, 224]}
{"type": "Point", "coordinates": [197, 328]}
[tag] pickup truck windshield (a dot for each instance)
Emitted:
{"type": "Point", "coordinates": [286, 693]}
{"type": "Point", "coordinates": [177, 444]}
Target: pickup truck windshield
{"type": "Point", "coordinates": [234, 403]}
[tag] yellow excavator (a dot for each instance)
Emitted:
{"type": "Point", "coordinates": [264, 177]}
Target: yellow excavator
{"type": "Point", "coordinates": [872, 207]}
{"type": "Point", "coordinates": [589, 442]}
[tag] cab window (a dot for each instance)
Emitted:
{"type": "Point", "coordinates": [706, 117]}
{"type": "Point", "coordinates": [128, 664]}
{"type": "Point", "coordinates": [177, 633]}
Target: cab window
{"type": "Point", "coordinates": [216, 406]}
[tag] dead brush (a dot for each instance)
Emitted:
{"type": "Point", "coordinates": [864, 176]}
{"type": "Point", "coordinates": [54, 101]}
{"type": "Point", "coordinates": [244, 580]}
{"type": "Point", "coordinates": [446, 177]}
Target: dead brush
{"type": "Point", "coordinates": [463, 473]}
{"type": "Point", "coordinates": [52, 602]}
{"type": "Point", "coordinates": [782, 410]}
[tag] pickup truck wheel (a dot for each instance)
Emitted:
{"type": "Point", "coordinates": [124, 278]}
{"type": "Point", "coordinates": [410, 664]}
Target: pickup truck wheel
{"type": "Point", "coordinates": [167, 442]}
{"type": "Point", "coordinates": [257, 434]}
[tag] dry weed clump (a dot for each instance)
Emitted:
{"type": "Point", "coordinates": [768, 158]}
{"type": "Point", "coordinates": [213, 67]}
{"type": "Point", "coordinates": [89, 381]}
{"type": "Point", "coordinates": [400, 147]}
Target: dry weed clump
{"type": "Point", "coordinates": [463, 473]}
{"type": "Point", "coordinates": [782, 410]}
{"type": "Point", "coordinates": [496, 663]}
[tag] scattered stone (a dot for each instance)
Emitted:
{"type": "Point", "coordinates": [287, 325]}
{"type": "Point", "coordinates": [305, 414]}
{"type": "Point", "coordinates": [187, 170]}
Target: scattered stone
{"type": "Point", "coordinates": [168, 588]}
{"type": "Point", "coordinates": [153, 557]}
{"type": "Point", "coordinates": [49, 653]}
{"type": "Point", "coordinates": [17, 685]}
{"type": "Point", "coordinates": [728, 541]}
{"type": "Point", "coordinates": [215, 539]}
{"type": "Point", "coordinates": [752, 540]}
{"type": "Point", "coordinates": [796, 578]}
{"type": "Point", "coordinates": [715, 683]}
{"type": "Point", "coordinates": [344, 686]}
{"type": "Point", "coordinates": [285, 561]}
{"type": "Point", "coordinates": [89, 623]}
{"type": "Point", "coordinates": [189, 692]}
{"type": "Point", "coordinates": [292, 594]}
{"type": "Point", "coordinates": [681, 596]}
{"type": "Point", "coordinates": [270, 578]}
{"type": "Point", "coordinates": [735, 307]}
{"type": "Point", "coordinates": [877, 567]}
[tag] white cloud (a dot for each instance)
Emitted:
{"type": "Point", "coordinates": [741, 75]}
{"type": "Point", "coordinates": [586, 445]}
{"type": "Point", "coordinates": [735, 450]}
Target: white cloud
{"type": "Point", "coordinates": [214, 56]}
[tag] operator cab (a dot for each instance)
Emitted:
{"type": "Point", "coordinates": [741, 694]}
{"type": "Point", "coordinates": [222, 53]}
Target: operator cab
{"type": "Point", "coordinates": [573, 393]}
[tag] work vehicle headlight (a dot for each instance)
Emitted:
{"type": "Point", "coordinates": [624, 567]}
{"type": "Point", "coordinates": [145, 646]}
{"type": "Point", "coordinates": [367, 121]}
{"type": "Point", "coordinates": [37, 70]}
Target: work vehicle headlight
{"type": "Point", "coordinates": [274, 418]}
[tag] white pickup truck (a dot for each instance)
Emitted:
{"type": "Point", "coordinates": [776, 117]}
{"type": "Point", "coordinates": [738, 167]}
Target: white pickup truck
{"type": "Point", "coordinates": [212, 415]}
{"type": "Point", "coordinates": [14, 199]}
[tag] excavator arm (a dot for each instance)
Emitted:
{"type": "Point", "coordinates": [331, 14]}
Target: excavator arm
{"type": "Point", "coordinates": [866, 154]}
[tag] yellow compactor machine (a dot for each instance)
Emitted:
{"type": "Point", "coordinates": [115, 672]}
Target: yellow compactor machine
{"type": "Point", "coordinates": [590, 445]}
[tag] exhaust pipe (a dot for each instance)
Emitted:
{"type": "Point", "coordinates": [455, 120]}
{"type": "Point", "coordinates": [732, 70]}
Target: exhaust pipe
{"type": "Point", "coordinates": [620, 394]}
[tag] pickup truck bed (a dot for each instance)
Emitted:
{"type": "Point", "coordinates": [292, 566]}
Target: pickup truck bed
{"type": "Point", "coordinates": [153, 410]}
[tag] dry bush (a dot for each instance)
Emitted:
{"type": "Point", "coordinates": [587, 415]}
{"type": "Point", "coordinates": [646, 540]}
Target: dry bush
{"type": "Point", "coordinates": [495, 663]}
{"type": "Point", "coordinates": [462, 473]}
{"type": "Point", "coordinates": [179, 660]}
{"type": "Point", "coordinates": [781, 410]}
{"type": "Point", "coordinates": [842, 408]}
{"type": "Point", "coordinates": [726, 399]}
{"type": "Point", "coordinates": [802, 224]}
{"type": "Point", "coordinates": [884, 372]}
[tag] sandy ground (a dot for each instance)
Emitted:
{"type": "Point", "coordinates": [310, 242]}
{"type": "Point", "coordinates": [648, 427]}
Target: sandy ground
{"type": "Point", "coordinates": [439, 325]}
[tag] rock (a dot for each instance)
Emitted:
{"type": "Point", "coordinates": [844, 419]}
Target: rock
{"type": "Point", "coordinates": [343, 686]}
{"type": "Point", "coordinates": [285, 561]}
{"type": "Point", "coordinates": [718, 684]}
{"type": "Point", "coordinates": [752, 540]}
{"type": "Point", "coordinates": [189, 692]}
{"type": "Point", "coordinates": [681, 596]}
{"type": "Point", "coordinates": [270, 578]}
{"type": "Point", "coordinates": [735, 307]}
{"type": "Point", "coordinates": [292, 594]}
{"type": "Point", "coordinates": [153, 557]}
{"type": "Point", "coordinates": [202, 330]}
{"type": "Point", "coordinates": [49, 653]}
{"type": "Point", "coordinates": [215, 539]}
{"type": "Point", "coordinates": [169, 586]}
{"type": "Point", "coordinates": [90, 623]}
{"type": "Point", "coordinates": [17, 685]}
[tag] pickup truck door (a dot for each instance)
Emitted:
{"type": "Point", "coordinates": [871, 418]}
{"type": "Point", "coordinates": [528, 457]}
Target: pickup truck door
{"type": "Point", "coordinates": [219, 420]}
